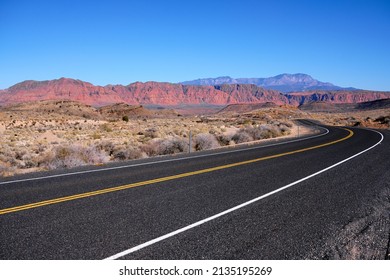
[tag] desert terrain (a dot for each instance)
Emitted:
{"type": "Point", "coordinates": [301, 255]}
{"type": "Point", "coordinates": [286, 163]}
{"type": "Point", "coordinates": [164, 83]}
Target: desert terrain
{"type": "Point", "coordinates": [66, 123]}
{"type": "Point", "coordinates": [46, 135]}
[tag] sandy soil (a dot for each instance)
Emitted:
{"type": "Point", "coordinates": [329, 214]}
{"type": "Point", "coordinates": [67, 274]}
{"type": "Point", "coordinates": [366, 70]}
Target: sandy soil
{"type": "Point", "coordinates": [52, 134]}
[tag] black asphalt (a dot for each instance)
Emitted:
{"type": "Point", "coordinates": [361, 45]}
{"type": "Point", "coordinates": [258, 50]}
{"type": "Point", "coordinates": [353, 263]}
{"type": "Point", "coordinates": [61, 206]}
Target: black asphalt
{"type": "Point", "coordinates": [291, 224]}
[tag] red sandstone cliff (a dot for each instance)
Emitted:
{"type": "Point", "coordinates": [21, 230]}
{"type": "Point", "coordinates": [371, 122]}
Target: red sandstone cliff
{"type": "Point", "coordinates": [171, 94]}
{"type": "Point", "coordinates": [137, 93]}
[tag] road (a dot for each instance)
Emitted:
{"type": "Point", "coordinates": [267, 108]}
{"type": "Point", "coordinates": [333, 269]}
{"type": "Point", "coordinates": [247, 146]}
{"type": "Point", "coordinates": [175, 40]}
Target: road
{"type": "Point", "coordinates": [288, 200]}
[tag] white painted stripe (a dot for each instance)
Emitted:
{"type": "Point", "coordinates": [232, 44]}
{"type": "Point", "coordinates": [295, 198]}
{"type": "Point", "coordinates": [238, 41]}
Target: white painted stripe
{"type": "Point", "coordinates": [176, 232]}
{"type": "Point", "coordinates": [161, 161]}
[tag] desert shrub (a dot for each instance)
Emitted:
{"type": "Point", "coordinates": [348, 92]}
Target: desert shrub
{"type": "Point", "coordinates": [170, 145]}
{"type": "Point", "coordinates": [244, 121]}
{"type": "Point", "coordinates": [96, 135]}
{"type": "Point", "coordinates": [125, 118]}
{"type": "Point", "coordinates": [8, 155]}
{"type": "Point", "coordinates": [106, 146]}
{"type": "Point", "coordinates": [149, 149]}
{"type": "Point", "coordinates": [151, 133]}
{"type": "Point", "coordinates": [284, 129]}
{"type": "Point", "coordinates": [3, 168]}
{"type": "Point", "coordinates": [255, 132]}
{"type": "Point", "coordinates": [127, 153]}
{"type": "Point", "coordinates": [27, 161]}
{"type": "Point", "coordinates": [225, 139]}
{"type": "Point", "coordinates": [173, 145]}
{"type": "Point", "coordinates": [19, 153]}
{"type": "Point", "coordinates": [72, 156]}
{"type": "Point", "coordinates": [213, 131]}
{"type": "Point", "coordinates": [6, 169]}
{"type": "Point", "coordinates": [205, 141]}
{"type": "Point", "coordinates": [242, 136]}
{"type": "Point", "coordinates": [260, 132]}
{"type": "Point", "coordinates": [268, 131]}
{"type": "Point", "coordinates": [106, 127]}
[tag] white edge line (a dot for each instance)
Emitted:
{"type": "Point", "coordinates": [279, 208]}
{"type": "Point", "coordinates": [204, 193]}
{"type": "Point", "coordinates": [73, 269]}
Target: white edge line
{"type": "Point", "coordinates": [161, 161]}
{"type": "Point", "coordinates": [173, 233]}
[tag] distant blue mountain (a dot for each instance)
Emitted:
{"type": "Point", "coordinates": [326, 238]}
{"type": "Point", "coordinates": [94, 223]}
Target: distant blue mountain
{"type": "Point", "coordinates": [283, 82]}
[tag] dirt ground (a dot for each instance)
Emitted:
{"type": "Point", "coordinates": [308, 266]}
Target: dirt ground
{"type": "Point", "coordinates": [61, 134]}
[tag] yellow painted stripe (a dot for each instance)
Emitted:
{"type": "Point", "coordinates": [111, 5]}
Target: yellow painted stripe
{"type": "Point", "coordinates": [162, 179]}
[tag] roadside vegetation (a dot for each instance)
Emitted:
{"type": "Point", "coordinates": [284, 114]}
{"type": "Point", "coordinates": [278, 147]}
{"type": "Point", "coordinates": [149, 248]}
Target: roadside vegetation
{"type": "Point", "coordinates": [65, 134]}
{"type": "Point", "coordinates": [37, 144]}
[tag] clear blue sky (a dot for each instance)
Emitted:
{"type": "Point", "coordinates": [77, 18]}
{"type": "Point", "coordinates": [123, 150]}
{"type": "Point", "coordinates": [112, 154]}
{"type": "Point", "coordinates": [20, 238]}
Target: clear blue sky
{"type": "Point", "coordinates": [120, 42]}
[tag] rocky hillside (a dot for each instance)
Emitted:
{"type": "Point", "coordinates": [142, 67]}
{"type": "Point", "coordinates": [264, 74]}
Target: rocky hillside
{"type": "Point", "coordinates": [337, 97]}
{"type": "Point", "coordinates": [61, 89]}
{"type": "Point", "coordinates": [58, 109]}
{"type": "Point", "coordinates": [244, 108]}
{"type": "Point", "coordinates": [118, 110]}
{"type": "Point", "coordinates": [168, 94]}
{"type": "Point", "coordinates": [137, 93]}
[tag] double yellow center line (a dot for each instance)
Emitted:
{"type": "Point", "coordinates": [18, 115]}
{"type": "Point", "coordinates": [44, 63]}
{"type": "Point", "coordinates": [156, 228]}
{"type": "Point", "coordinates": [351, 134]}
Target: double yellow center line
{"type": "Point", "coordinates": [162, 179]}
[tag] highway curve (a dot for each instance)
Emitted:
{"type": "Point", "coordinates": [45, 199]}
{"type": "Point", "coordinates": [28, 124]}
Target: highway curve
{"type": "Point", "coordinates": [323, 196]}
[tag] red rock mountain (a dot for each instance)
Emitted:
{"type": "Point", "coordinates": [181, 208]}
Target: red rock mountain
{"type": "Point", "coordinates": [171, 94]}
{"type": "Point", "coordinates": [137, 93]}
{"type": "Point", "coordinates": [61, 89]}
{"type": "Point", "coordinates": [336, 97]}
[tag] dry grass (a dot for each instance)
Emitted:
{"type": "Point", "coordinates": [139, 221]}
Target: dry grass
{"type": "Point", "coordinates": [43, 139]}
{"type": "Point", "coordinates": [54, 134]}
{"type": "Point", "coordinates": [379, 119]}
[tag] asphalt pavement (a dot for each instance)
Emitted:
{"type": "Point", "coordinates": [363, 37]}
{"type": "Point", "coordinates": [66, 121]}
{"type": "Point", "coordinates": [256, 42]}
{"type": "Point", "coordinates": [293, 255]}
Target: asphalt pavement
{"type": "Point", "coordinates": [282, 200]}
